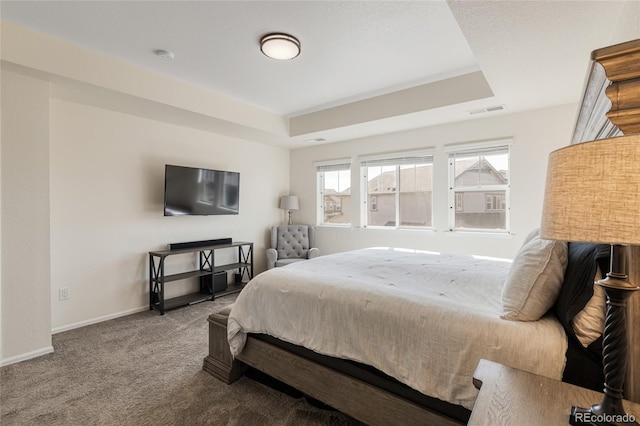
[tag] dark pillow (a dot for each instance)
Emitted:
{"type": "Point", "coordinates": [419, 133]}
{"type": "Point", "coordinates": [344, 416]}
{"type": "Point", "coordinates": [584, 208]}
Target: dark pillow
{"type": "Point", "coordinates": [584, 365]}
{"type": "Point", "coordinates": [577, 287]}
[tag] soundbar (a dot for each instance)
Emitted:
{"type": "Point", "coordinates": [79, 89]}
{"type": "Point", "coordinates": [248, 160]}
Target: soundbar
{"type": "Point", "coordinates": [196, 244]}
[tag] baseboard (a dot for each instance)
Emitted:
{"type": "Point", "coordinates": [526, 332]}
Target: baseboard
{"type": "Point", "coordinates": [68, 327]}
{"type": "Point", "coordinates": [28, 355]}
{"type": "Point", "coordinates": [49, 349]}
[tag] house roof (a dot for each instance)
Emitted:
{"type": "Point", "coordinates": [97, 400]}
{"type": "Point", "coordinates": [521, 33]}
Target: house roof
{"type": "Point", "coordinates": [419, 178]}
{"type": "Point", "coordinates": [385, 182]}
{"type": "Point", "coordinates": [465, 166]}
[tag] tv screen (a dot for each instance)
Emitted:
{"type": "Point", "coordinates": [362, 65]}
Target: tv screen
{"type": "Point", "coordinates": [203, 192]}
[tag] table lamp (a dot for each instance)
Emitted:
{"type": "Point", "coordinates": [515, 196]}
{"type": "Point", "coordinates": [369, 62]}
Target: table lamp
{"type": "Point", "coordinates": [289, 202]}
{"type": "Point", "coordinates": [592, 195]}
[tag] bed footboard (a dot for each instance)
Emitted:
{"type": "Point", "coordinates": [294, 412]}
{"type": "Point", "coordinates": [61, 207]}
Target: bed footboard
{"type": "Point", "coordinates": [219, 363]}
{"type": "Point", "coordinates": [358, 399]}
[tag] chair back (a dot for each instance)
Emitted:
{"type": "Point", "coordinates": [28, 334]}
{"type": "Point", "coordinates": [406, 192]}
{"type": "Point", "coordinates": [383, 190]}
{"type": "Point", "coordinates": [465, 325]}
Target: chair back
{"type": "Point", "coordinates": [292, 241]}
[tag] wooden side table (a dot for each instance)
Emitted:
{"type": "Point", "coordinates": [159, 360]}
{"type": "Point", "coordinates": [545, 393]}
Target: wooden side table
{"type": "Point", "coordinates": [509, 396]}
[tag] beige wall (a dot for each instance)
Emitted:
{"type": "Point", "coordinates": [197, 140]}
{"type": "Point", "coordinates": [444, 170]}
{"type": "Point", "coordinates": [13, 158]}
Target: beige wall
{"type": "Point", "coordinates": [25, 255]}
{"type": "Point", "coordinates": [535, 134]}
{"type": "Point", "coordinates": [107, 183]}
{"type": "Point", "coordinates": [628, 26]}
{"type": "Point", "coordinates": [82, 204]}
{"type": "Point", "coordinates": [83, 179]}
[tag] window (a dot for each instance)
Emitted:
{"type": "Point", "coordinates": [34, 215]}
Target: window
{"type": "Point", "coordinates": [398, 190]}
{"type": "Point", "coordinates": [495, 201]}
{"type": "Point", "coordinates": [459, 202]}
{"type": "Point", "coordinates": [479, 187]}
{"type": "Point", "coordinates": [334, 192]}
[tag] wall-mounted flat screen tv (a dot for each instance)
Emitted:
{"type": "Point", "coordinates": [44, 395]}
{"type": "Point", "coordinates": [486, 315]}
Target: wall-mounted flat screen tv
{"type": "Point", "coordinates": [203, 192]}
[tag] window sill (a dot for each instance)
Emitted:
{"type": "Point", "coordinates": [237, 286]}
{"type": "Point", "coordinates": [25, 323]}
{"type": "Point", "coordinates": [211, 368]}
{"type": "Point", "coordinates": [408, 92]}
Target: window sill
{"type": "Point", "coordinates": [389, 228]}
{"type": "Point", "coordinates": [493, 234]}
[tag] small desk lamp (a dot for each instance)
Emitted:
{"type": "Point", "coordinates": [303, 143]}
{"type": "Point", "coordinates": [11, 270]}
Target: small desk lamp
{"type": "Point", "coordinates": [289, 202]}
{"type": "Point", "coordinates": [593, 195]}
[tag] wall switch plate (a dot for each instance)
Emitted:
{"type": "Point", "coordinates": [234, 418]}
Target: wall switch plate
{"type": "Point", "coordinates": [63, 293]}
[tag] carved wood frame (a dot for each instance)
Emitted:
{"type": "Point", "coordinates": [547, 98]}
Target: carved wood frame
{"type": "Point", "coordinates": [614, 84]}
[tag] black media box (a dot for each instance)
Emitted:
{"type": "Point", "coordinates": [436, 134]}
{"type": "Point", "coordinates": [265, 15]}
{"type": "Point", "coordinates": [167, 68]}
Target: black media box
{"type": "Point", "coordinates": [219, 282]}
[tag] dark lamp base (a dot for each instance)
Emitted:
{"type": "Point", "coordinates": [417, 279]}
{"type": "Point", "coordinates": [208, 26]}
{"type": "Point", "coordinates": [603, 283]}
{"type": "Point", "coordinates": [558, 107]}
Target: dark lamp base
{"type": "Point", "coordinates": [591, 416]}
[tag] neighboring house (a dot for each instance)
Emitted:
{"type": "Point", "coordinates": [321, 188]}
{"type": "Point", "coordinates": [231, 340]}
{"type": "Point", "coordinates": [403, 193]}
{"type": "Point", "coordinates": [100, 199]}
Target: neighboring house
{"type": "Point", "coordinates": [479, 208]}
{"type": "Point", "coordinates": [337, 206]}
{"type": "Point", "coordinates": [415, 197]}
{"type": "Point", "coordinates": [474, 209]}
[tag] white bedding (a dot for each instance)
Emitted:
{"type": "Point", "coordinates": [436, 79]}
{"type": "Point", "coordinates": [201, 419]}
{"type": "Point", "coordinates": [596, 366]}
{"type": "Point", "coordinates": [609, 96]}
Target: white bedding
{"type": "Point", "coordinates": [424, 318]}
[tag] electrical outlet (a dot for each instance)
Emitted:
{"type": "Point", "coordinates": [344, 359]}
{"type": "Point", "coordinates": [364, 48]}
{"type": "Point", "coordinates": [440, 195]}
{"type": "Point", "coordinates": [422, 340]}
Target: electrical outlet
{"type": "Point", "coordinates": [64, 293]}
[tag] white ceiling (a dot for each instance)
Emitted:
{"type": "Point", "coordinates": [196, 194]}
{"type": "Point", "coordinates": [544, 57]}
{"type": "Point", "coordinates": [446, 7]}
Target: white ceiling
{"type": "Point", "coordinates": [533, 54]}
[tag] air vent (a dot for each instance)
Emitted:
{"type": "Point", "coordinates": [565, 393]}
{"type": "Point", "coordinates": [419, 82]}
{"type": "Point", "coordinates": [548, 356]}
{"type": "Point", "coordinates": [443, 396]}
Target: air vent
{"type": "Point", "coordinates": [487, 109]}
{"type": "Point", "coordinates": [164, 54]}
{"type": "Point", "coordinates": [315, 140]}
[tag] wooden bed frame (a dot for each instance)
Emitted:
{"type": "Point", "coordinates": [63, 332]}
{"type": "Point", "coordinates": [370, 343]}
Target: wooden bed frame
{"type": "Point", "coordinates": [375, 406]}
{"type": "Point", "coordinates": [365, 402]}
{"type": "Point", "coordinates": [610, 107]}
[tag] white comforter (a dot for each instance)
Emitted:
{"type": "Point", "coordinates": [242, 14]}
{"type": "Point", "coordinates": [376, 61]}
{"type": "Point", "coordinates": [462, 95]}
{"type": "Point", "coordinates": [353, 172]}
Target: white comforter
{"type": "Point", "coordinates": [424, 318]}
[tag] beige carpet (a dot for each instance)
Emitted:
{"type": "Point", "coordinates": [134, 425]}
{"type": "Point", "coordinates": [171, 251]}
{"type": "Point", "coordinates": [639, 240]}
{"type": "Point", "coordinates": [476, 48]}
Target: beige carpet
{"type": "Point", "coordinates": [143, 369]}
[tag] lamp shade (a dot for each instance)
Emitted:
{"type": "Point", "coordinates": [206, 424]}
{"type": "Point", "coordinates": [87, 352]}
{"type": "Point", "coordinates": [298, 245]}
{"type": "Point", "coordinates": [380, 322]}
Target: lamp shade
{"type": "Point", "coordinates": [593, 192]}
{"type": "Point", "coordinates": [289, 202]}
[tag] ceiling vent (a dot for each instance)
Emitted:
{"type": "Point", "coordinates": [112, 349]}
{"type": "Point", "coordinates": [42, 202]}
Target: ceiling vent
{"type": "Point", "coordinates": [315, 140]}
{"type": "Point", "coordinates": [487, 109]}
{"type": "Point", "coordinates": [164, 54]}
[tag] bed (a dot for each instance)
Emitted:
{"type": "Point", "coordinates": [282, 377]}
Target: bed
{"type": "Point", "coordinates": [425, 319]}
{"type": "Point", "coordinates": [406, 329]}
{"type": "Point", "coordinates": [428, 318]}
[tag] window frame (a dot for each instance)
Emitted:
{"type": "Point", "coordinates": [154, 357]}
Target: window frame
{"type": "Point", "coordinates": [330, 166]}
{"type": "Point", "coordinates": [479, 149]}
{"type": "Point", "coordinates": [397, 160]}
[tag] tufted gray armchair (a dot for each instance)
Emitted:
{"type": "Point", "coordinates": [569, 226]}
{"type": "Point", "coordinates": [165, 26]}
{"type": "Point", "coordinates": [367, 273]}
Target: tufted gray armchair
{"type": "Point", "coordinates": [291, 243]}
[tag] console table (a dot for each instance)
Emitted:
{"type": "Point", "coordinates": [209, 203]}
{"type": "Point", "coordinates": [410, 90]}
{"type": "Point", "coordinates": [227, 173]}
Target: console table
{"type": "Point", "coordinates": [207, 267]}
{"type": "Point", "coordinates": [509, 396]}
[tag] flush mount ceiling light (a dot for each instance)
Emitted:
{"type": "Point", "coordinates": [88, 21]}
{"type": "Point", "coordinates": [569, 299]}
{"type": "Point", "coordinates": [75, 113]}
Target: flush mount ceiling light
{"type": "Point", "coordinates": [280, 46]}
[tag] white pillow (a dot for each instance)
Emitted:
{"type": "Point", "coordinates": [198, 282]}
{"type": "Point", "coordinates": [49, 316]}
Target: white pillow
{"type": "Point", "coordinates": [588, 324]}
{"type": "Point", "coordinates": [534, 279]}
{"type": "Point", "coordinates": [533, 234]}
